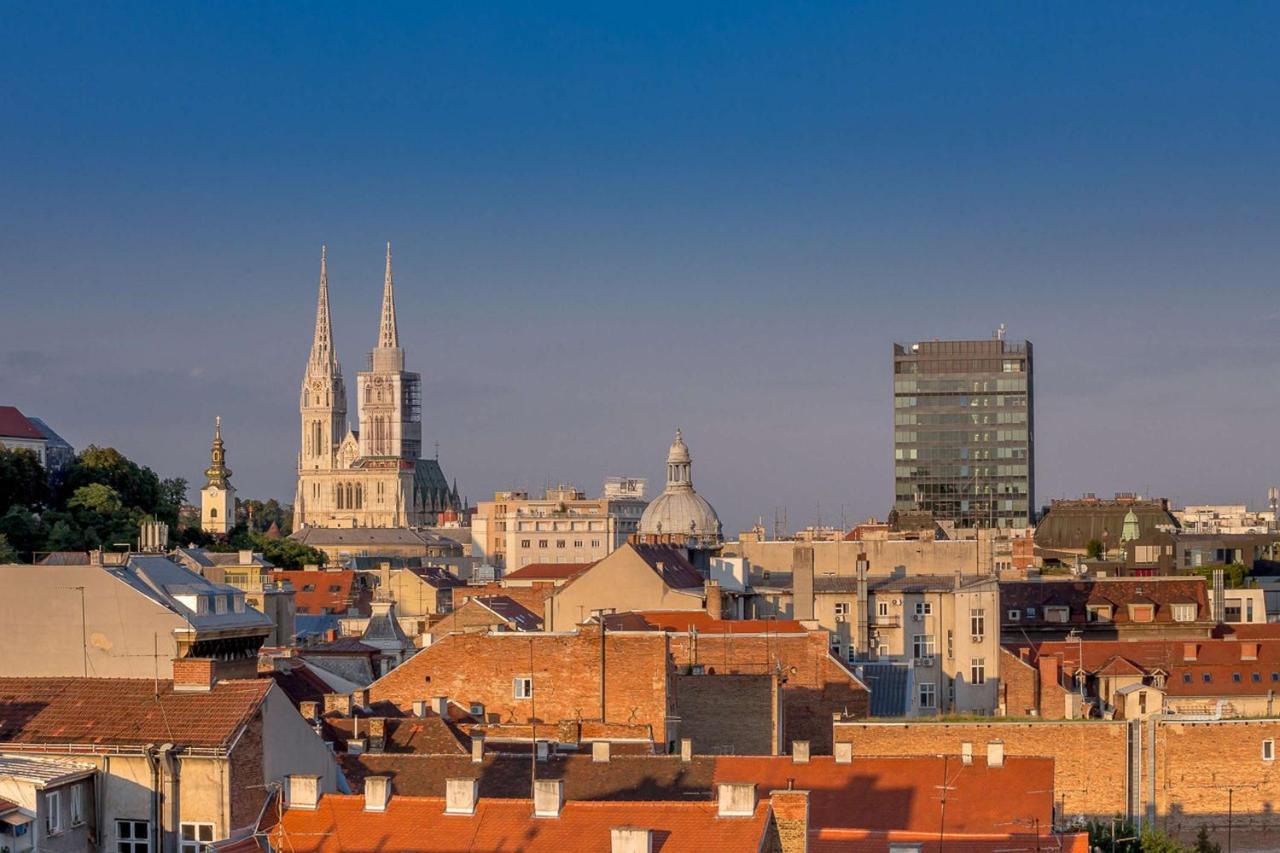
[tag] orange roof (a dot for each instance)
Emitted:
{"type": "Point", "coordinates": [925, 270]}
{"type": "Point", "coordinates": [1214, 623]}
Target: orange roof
{"type": "Point", "coordinates": [547, 571]}
{"type": "Point", "coordinates": [861, 841]}
{"type": "Point", "coordinates": [317, 591]}
{"type": "Point", "coordinates": [419, 825]}
{"type": "Point", "coordinates": [904, 794]}
{"type": "Point", "coordinates": [1228, 669]}
{"type": "Point", "coordinates": [124, 711]}
{"type": "Point", "coordinates": [685, 620]}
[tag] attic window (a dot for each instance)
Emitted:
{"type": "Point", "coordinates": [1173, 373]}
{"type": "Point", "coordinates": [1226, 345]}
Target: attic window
{"type": "Point", "coordinates": [1057, 613]}
{"type": "Point", "coordinates": [1014, 615]}
{"type": "Point", "coordinates": [1142, 613]}
{"type": "Point", "coordinates": [1186, 678]}
{"type": "Point", "coordinates": [1184, 612]}
{"type": "Point", "coordinates": [1099, 612]}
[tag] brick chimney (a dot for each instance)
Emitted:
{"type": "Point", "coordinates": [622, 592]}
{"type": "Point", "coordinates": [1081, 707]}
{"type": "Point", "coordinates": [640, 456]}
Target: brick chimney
{"type": "Point", "coordinates": [310, 711]}
{"type": "Point", "coordinates": [791, 816]}
{"type": "Point", "coordinates": [337, 703]}
{"type": "Point", "coordinates": [360, 698]}
{"type": "Point", "coordinates": [194, 675]}
{"type": "Point", "coordinates": [715, 604]}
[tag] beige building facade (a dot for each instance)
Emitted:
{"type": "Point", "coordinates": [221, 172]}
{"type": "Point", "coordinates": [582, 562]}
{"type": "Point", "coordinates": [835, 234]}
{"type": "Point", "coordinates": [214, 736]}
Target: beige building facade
{"type": "Point", "coordinates": [634, 577]}
{"type": "Point", "coordinates": [374, 477]}
{"type": "Point", "coordinates": [563, 526]}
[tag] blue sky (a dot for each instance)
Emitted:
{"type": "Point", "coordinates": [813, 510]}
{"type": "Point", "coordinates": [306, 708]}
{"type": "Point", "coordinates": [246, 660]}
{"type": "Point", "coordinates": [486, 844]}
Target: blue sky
{"type": "Point", "coordinates": [611, 221]}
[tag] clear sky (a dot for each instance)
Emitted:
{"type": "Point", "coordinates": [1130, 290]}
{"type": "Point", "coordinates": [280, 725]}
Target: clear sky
{"type": "Point", "coordinates": [611, 221]}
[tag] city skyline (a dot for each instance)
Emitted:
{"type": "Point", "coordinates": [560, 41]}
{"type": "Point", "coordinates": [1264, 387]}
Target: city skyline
{"type": "Point", "coordinates": [609, 227]}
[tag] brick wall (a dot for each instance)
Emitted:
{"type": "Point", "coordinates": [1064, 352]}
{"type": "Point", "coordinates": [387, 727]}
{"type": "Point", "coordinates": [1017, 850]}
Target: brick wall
{"type": "Point", "coordinates": [1028, 690]}
{"type": "Point", "coordinates": [815, 684]}
{"type": "Point", "coordinates": [1196, 763]}
{"type": "Point", "coordinates": [727, 714]}
{"type": "Point", "coordinates": [246, 782]}
{"type": "Point", "coordinates": [1090, 760]}
{"type": "Point", "coordinates": [790, 831]}
{"type": "Point", "coordinates": [195, 673]}
{"type": "Point", "coordinates": [471, 668]}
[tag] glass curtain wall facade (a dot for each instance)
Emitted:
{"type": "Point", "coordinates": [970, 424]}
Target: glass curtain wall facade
{"type": "Point", "coordinates": [963, 431]}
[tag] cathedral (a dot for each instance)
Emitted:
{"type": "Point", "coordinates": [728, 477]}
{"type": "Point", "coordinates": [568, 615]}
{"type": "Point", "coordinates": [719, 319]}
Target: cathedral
{"type": "Point", "coordinates": [374, 476]}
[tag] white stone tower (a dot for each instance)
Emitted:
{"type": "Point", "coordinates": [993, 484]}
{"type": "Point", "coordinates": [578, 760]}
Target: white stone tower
{"type": "Point", "coordinates": [218, 497]}
{"type": "Point", "coordinates": [389, 395]}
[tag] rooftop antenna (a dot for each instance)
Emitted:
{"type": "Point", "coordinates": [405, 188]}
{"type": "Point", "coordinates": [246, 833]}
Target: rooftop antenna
{"type": "Point", "coordinates": [1000, 332]}
{"type": "Point", "coordinates": [1273, 498]}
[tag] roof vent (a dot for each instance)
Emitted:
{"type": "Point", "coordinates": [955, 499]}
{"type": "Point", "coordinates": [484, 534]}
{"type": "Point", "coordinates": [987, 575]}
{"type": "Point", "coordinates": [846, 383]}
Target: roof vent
{"type": "Point", "coordinates": [477, 749]}
{"type": "Point", "coordinates": [995, 753]}
{"type": "Point", "coordinates": [302, 792]}
{"type": "Point", "coordinates": [736, 799]}
{"type": "Point", "coordinates": [686, 749]}
{"type": "Point", "coordinates": [800, 751]}
{"type": "Point", "coordinates": [844, 752]}
{"type": "Point", "coordinates": [548, 797]}
{"type": "Point", "coordinates": [377, 793]}
{"type": "Point", "coordinates": [630, 839]}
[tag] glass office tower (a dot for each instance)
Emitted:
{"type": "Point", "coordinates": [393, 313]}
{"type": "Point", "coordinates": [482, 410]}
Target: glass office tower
{"type": "Point", "coordinates": [963, 431]}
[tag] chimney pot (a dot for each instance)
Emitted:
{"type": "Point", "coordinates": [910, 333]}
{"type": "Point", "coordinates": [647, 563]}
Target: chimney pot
{"type": "Point", "coordinates": [844, 752]}
{"type": "Point", "coordinates": [600, 751]}
{"type": "Point", "coordinates": [377, 793]}
{"type": "Point", "coordinates": [736, 799]}
{"type": "Point", "coordinates": [800, 751]}
{"type": "Point", "coordinates": [460, 796]}
{"type": "Point", "coordinates": [548, 797]}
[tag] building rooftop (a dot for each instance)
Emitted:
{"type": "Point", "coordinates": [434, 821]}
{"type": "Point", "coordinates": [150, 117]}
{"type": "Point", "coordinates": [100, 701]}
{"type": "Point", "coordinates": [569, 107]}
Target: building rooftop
{"type": "Point", "coordinates": [42, 771]}
{"type": "Point", "coordinates": [547, 571]}
{"type": "Point", "coordinates": [14, 424]}
{"type": "Point", "coordinates": [507, 608]}
{"type": "Point", "coordinates": [683, 621]}
{"type": "Point", "coordinates": [115, 712]}
{"type": "Point", "coordinates": [1029, 599]}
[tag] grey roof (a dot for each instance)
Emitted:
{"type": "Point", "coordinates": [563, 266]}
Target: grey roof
{"type": "Point", "coordinates": [908, 583]}
{"type": "Point", "coordinates": [41, 771]}
{"type": "Point", "coordinates": [310, 623]}
{"type": "Point", "coordinates": [162, 579]}
{"type": "Point", "coordinates": [383, 630]}
{"type": "Point", "coordinates": [53, 439]}
{"type": "Point", "coordinates": [513, 611]}
{"type": "Point", "coordinates": [888, 683]}
{"type": "Point", "coordinates": [207, 559]}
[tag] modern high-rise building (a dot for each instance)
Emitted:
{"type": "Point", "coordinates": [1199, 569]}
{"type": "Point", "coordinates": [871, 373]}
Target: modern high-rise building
{"type": "Point", "coordinates": [964, 431]}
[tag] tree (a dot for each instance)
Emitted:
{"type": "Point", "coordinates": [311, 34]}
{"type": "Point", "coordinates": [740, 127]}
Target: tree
{"type": "Point", "coordinates": [64, 537]}
{"type": "Point", "coordinates": [23, 480]}
{"type": "Point", "coordinates": [136, 485]}
{"type": "Point", "coordinates": [1203, 844]}
{"type": "Point", "coordinates": [1093, 549]}
{"type": "Point", "coordinates": [8, 554]}
{"type": "Point", "coordinates": [23, 530]}
{"type": "Point", "coordinates": [1154, 841]}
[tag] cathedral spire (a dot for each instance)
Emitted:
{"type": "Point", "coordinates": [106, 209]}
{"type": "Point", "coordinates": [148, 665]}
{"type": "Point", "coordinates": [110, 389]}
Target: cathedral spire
{"type": "Point", "coordinates": [388, 337]}
{"type": "Point", "coordinates": [322, 352]}
{"type": "Point", "coordinates": [217, 472]}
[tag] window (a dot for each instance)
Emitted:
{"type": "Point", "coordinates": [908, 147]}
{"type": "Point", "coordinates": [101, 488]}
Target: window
{"type": "Point", "coordinates": [1014, 615]}
{"type": "Point", "coordinates": [333, 587]}
{"type": "Point", "coordinates": [1099, 613]}
{"type": "Point", "coordinates": [882, 608]}
{"type": "Point", "coordinates": [1141, 612]}
{"type": "Point", "coordinates": [924, 608]}
{"type": "Point", "coordinates": [577, 543]}
{"type": "Point", "coordinates": [978, 622]}
{"type": "Point", "coordinates": [524, 543]}
{"type": "Point", "coordinates": [559, 543]}
{"type": "Point", "coordinates": [1257, 677]}
{"type": "Point", "coordinates": [842, 609]}
{"type": "Point", "coordinates": [195, 836]}
{"type": "Point", "coordinates": [1235, 677]}
{"type": "Point", "coordinates": [978, 671]}
{"type": "Point", "coordinates": [1268, 750]}
{"type": "Point", "coordinates": [542, 543]}
{"type": "Point", "coordinates": [53, 812]}
{"type": "Point", "coordinates": [928, 695]}
{"type": "Point", "coordinates": [133, 836]}
{"type": "Point", "coordinates": [213, 512]}
{"type": "Point", "coordinates": [522, 688]}
{"type": "Point", "coordinates": [219, 604]}
{"type": "Point", "coordinates": [308, 587]}
{"type": "Point", "coordinates": [1142, 701]}
{"type": "Point", "coordinates": [1057, 613]}
{"type": "Point", "coordinates": [77, 805]}
{"type": "Point", "coordinates": [1184, 612]}
{"type": "Point", "coordinates": [1186, 678]}
{"type": "Point", "coordinates": [1208, 678]}
{"type": "Point", "coordinates": [922, 646]}
{"type": "Point", "coordinates": [595, 543]}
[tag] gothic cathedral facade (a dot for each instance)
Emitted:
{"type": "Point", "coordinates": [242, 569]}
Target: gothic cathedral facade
{"type": "Point", "coordinates": [373, 477]}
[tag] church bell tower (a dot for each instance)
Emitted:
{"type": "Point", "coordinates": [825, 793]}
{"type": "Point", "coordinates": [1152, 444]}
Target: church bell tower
{"type": "Point", "coordinates": [218, 497]}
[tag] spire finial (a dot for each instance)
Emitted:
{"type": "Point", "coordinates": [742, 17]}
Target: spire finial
{"type": "Point", "coordinates": [388, 336]}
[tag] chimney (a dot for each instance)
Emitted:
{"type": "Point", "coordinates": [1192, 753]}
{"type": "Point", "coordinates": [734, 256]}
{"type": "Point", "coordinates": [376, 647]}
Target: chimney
{"type": "Point", "coordinates": [715, 605]}
{"type": "Point", "coordinates": [1190, 651]}
{"type": "Point", "coordinates": [377, 793]}
{"type": "Point", "coordinates": [301, 792]}
{"type": "Point", "coordinates": [966, 752]}
{"type": "Point", "coordinates": [384, 579]}
{"type": "Point", "coordinates": [360, 698]}
{"type": "Point", "coordinates": [246, 558]}
{"type": "Point", "coordinates": [310, 711]}
{"type": "Point", "coordinates": [1049, 670]}
{"type": "Point", "coordinates": [800, 751]}
{"type": "Point", "coordinates": [600, 751]}
{"type": "Point", "coordinates": [419, 707]}
{"type": "Point", "coordinates": [686, 749]}
{"type": "Point", "coordinates": [194, 675]}
{"type": "Point", "coordinates": [736, 799]}
{"type": "Point", "coordinates": [330, 635]}
{"type": "Point", "coordinates": [844, 752]}
{"type": "Point", "coordinates": [440, 704]}
{"type": "Point", "coordinates": [995, 753]}
{"type": "Point", "coordinates": [630, 839]}
{"type": "Point", "coordinates": [1249, 651]}
{"type": "Point", "coordinates": [460, 796]}
{"type": "Point", "coordinates": [548, 797]}
{"type": "Point", "coordinates": [477, 749]}
{"type": "Point", "coordinates": [337, 703]}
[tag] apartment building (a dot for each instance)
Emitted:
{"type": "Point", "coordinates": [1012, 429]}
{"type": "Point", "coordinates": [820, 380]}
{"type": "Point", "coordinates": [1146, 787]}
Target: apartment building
{"type": "Point", "coordinates": [563, 526]}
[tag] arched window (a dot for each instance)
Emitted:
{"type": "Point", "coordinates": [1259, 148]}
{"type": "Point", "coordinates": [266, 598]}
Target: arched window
{"type": "Point", "coordinates": [213, 512]}
{"type": "Point", "coordinates": [359, 496]}
{"type": "Point", "coordinates": [368, 394]}
{"type": "Point", "coordinates": [341, 504]}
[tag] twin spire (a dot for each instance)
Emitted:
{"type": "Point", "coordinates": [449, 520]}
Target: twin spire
{"type": "Point", "coordinates": [322, 351]}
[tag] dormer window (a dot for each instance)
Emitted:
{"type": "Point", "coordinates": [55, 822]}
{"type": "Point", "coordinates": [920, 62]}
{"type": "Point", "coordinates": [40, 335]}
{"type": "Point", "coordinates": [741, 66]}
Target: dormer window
{"type": "Point", "coordinates": [1184, 612]}
{"type": "Point", "coordinates": [1057, 613]}
{"type": "Point", "coordinates": [1099, 612]}
{"type": "Point", "coordinates": [1142, 612]}
{"type": "Point", "coordinates": [220, 604]}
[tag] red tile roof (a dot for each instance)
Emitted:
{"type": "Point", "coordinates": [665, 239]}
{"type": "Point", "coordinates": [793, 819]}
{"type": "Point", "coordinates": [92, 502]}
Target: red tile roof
{"type": "Point", "coordinates": [703, 623]}
{"type": "Point", "coordinates": [885, 794]}
{"type": "Point", "coordinates": [860, 841]}
{"type": "Point", "coordinates": [124, 711]}
{"type": "Point", "coordinates": [547, 571]}
{"type": "Point", "coordinates": [321, 597]}
{"type": "Point", "coordinates": [1078, 594]}
{"type": "Point", "coordinates": [419, 825]}
{"type": "Point", "coordinates": [13, 424]}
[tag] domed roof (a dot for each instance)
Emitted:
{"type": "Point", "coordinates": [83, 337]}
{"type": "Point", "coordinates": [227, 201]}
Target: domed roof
{"type": "Point", "coordinates": [680, 511]}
